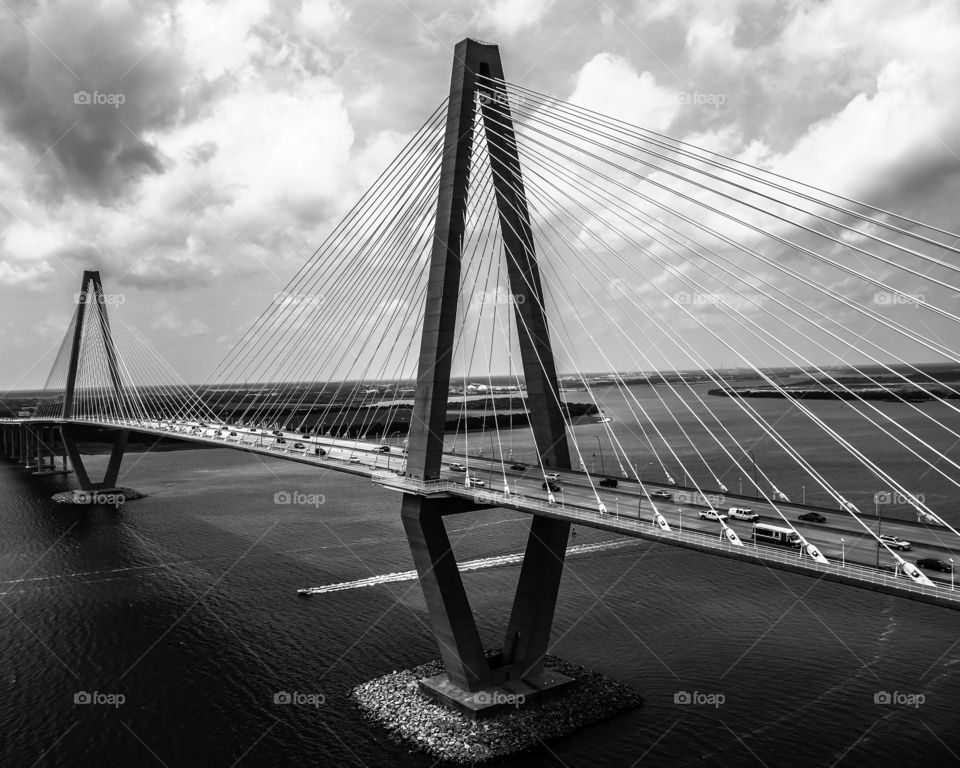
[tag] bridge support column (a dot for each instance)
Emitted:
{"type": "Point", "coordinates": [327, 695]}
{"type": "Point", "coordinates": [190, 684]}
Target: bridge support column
{"type": "Point", "coordinates": [477, 79]}
{"type": "Point", "coordinates": [76, 460]}
{"type": "Point", "coordinates": [451, 617]}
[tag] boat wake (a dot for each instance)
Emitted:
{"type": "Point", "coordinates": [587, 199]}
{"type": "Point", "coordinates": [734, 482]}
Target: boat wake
{"type": "Point", "coordinates": [479, 564]}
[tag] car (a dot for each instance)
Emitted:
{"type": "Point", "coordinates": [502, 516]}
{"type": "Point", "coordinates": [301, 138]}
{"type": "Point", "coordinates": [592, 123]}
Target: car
{"type": "Point", "coordinates": [277, 432]}
{"type": "Point", "coordinates": [233, 434]}
{"type": "Point", "coordinates": [253, 431]}
{"type": "Point", "coordinates": [661, 495]}
{"type": "Point", "coordinates": [354, 459]}
{"type": "Point", "coordinates": [456, 467]}
{"type": "Point", "coordinates": [319, 452]}
{"type": "Point", "coordinates": [812, 517]}
{"type": "Point", "coordinates": [550, 486]}
{"type": "Point", "coordinates": [895, 542]}
{"type": "Point", "coordinates": [298, 445]}
{"type": "Point", "coordinates": [518, 467]}
{"type": "Point", "coordinates": [383, 449]}
{"type": "Point", "coordinates": [472, 482]}
{"type": "Point", "coordinates": [306, 435]}
{"type": "Point", "coordinates": [280, 440]}
{"type": "Point", "coordinates": [609, 482]}
{"type": "Point", "coordinates": [551, 476]}
{"type": "Point", "coordinates": [743, 513]}
{"type": "Point", "coordinates": [933, 564]}
{"type": "Point", "coordinates": [711, 514]}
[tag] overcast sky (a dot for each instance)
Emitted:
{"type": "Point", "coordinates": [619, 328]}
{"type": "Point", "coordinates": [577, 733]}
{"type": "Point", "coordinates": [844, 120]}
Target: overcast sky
{"type": "Point", "coordinates": [248, 128]}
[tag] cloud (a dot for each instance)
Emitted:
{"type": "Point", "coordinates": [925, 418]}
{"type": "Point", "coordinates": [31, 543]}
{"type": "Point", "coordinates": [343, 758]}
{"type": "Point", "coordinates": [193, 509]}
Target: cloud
{"type": "Point", "coordinates": [508, 17]}
{"type": "Point", "coordinates": [608, 84]}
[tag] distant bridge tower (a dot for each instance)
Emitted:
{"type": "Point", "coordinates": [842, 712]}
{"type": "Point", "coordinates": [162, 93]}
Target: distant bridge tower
{"type": "Point", "coordinates": [91, 298]}
{"type": "Point", "coordinates": [528, 632]}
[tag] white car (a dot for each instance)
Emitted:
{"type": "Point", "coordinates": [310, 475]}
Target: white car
{"type": "Point", "coordinates": [472, 482]}
{"type": "Point", "coordinates": [354, 459]}
{"type": "Point", "coordinates": [895, 542]}
{"type": "Point", "coordinates": [552, 476]}
{"type": "Point", "coordinates": [711, 514]}
{"type": "Point", "coordinates": [743, 513]}
{"type": "Point", "coordinates": [455, 467]}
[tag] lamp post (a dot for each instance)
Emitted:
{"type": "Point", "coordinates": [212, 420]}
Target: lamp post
{"type": "Point", "coordinates": [616, 501]}
{"type": "Point", "coordinates": [803, 492]}
{"type": "Point", "coordinates": [641, 470]}
{"type": "Point", "coordinates": [756, 485]}
{"type": "Point", "coordinates": [843, 553]}
{"type": "Point", "coordinates": [951, 574]}
{"type": "Point", "coordinates": [600, 446]}
{"type": "Point", "coordinates": [876, 505]}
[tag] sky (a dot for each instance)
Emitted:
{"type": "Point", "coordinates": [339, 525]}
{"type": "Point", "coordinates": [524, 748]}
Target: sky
{"type": "Point", "coordinates": [197, 153]}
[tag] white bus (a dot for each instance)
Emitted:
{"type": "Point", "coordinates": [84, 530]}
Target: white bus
{"type": "Point", "coordinates": [776, 534]}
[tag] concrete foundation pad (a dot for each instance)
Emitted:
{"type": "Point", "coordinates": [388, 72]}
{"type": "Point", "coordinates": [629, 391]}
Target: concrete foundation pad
{"type": "Point", "coordinates": [401, 703]}
{"type": "Point", "coordinates": [513, 694]}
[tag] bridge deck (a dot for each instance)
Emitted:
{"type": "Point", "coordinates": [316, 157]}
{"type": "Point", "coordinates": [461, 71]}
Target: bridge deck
{"type": "Point", "coordinates": [628, 512]}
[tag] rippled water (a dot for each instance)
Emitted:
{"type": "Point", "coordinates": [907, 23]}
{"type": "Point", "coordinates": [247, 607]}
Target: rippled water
{"type": "Point", "coordinates": [185, 603]}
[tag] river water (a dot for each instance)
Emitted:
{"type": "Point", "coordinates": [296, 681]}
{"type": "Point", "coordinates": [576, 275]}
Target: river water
{"type": "Point", "coordinates": [184, 604]}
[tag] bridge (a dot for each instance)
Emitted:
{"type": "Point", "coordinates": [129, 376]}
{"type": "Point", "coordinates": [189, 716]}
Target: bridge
{"type": "Point", "coordinates": [517, 235]}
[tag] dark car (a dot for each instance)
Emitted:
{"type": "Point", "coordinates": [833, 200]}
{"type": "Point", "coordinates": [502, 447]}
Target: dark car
{"type": "Point", "coordinates": [382, 449]}
{"type": "Point", "coordinates": [233, 434]}
{"type": "Point", "coordinates": [609, 482]}
{"type": "Point", "coordinates": [306, 435]}
{"type": "Point", "coordinates": [518, 467]}
{"type": "Point", "coordinates": [553, 486]}
{"type": "Point", "coordinates": [661, 495]}
{"type": "Point", "coordinates": [277, 432]}
{"type": "Point", "coordinates": [280, 440]}
{"type": "Point", "coordinates": [319, 452]}
{"type": "Point", "coordinates": [932, 564]}
{"type": "Point", "coordinates": [813, 517]}
{"type": "Point", "coordinates": [298, 445]}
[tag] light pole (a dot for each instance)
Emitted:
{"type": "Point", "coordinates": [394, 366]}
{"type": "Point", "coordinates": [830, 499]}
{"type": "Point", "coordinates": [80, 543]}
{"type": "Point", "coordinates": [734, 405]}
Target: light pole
{"type": "Point", "coordinates": [616, 500]}
{"type": "Point", "coordinates": [951, 573]}
{"type": "Point", "coordinates": [876, 505]}
{"type": "Point", "coordinates": [756, 485]}
{"type": "Point", "coordinates": [680, 510]}
{"type": "Point", "coordinates": [641, 470]}
{"type": "Point", "coordinates": [600, 446]}
{"type": "Point", "coordinates": [803, 491]}
{"type": "Point", "coordinates": [843, 553]}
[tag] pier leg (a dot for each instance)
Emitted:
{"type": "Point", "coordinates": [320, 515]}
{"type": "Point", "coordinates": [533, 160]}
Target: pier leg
{"type": "Point", "coordinates": [450, 614]}
{"type": "Point", "coordinates": [113, 466]}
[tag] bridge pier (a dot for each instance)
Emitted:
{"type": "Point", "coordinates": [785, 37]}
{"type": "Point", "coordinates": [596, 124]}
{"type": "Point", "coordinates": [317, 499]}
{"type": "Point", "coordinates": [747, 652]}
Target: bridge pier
{"type": "Point", "coordinates": [519, 665]}
{"type": "Point", "coordinates": [117, 450]}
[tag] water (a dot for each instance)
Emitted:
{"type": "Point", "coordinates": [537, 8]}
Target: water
{"type": "Point", "coordinates": [185, 603]}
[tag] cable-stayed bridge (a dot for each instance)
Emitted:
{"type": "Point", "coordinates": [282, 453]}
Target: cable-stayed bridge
{"type": "Point", "coordinates": [515, 244]}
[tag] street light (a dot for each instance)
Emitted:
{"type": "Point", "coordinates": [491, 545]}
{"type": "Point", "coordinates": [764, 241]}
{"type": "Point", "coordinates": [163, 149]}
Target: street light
{"type": "Point", "coordinates": [616, 500]}
{"type": "Point", "coordinates": [756, 485]}
{"type": "Point", "coordinates": [843, 553]}
{"type": "Point", "coordinates": [951, 573]}
{"type": "Point", "coordinates": [641, 470]}
{"type": "Point", "coordinates": [600, 446]}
